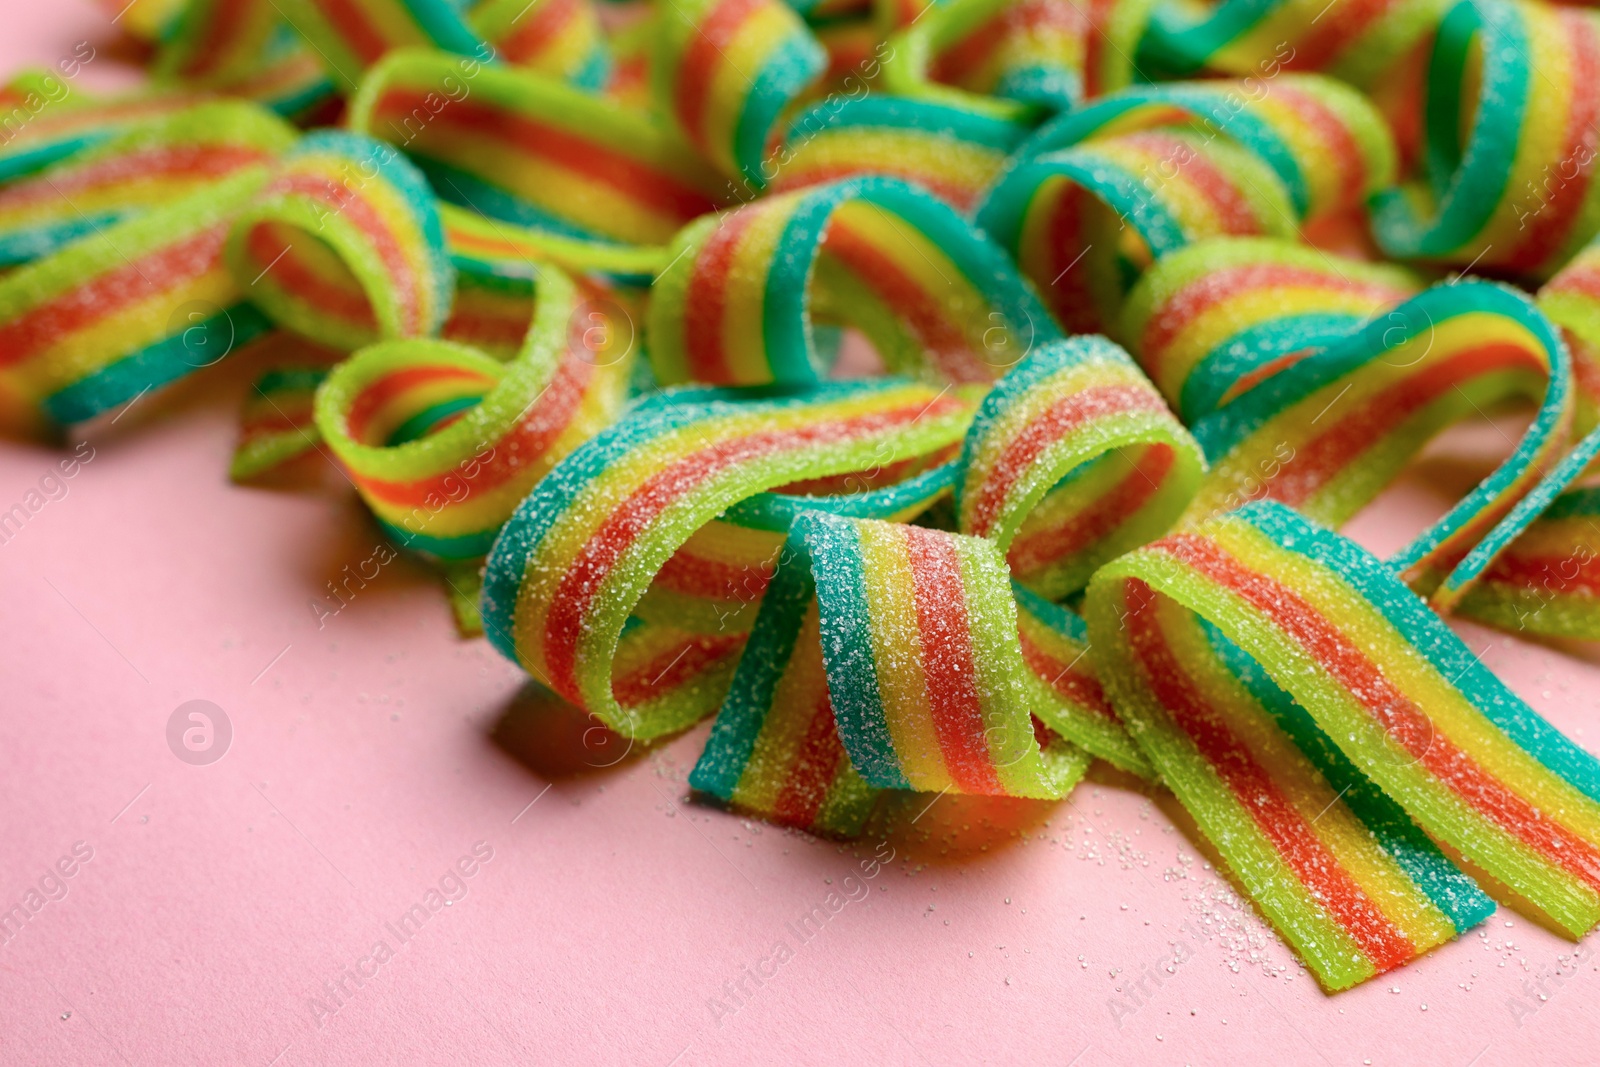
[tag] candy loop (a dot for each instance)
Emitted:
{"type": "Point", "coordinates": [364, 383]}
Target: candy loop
{"type": "Point", "coordinates": [1073, 458]}
{"type": "Point", "coordinates": [935, 297]}
{"type": "Point", "coordinates": [1325, 434]}
{"type": "Point", "coordinates": [444, 442]}
{"type": "Point", "coordinates": [1212, 320]}
{"type": "Point", "coordinates": [1519, 81]}
{"type": "Point", "coordinates": [579, 554]}
{"type": "Point", "coordinates": [1217, 643]}
{"type": "Point", "coordinates": [344, 245]}
{"type": "Point", "coordinates": [918, 631]}
{"type": "Point", "coordinates": [1097, 195]}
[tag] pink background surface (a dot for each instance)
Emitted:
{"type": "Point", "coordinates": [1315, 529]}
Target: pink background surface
{"type": "Point", "coordinates": [369, 755]}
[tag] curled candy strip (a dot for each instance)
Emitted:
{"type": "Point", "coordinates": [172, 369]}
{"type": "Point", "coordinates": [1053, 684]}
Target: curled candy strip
{"type": "Point", "coordinates": [579, 554]}
{"type": "Point", "coordinates": [444, 442]}
{"type": "Point", "coordinates": [1510, 142]}
{"type": "Point", "coordinates": [735, 305]}
{"type": "Point", "coordinates": [1327, 433]}
{"type": "Point", "coordinates": [1547, 581]}
{"type": "Point", "coordinates": [344, 245]}
{"type": "Point", "coordinates": [1261, 612]}
{"type": "Point", "coordinates": [1178, 163]}
{"type": "Point", "coordinates": [1214, 319]}
{"type": "Point", "coordinates": [1072, 460]}
{"type": "Point", "coordinates": [952, 152]}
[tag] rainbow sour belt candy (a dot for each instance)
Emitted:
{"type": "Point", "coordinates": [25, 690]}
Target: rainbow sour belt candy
{"type": "Point", "coordinates": [1181, 625]}
{"type": "Point", "coordinates": [1513, 188]}
{"type": "Point", "coordinates": [345, 245]}
{"type": "Point", "coordinates": [444, 441]}
{"type": "Point", "coordinates": [522, 147]}
{"type": "Point", "coordinates": [736, 303]}
{"type": "Point", "coordinates": [579, 554]}
{"type": "Point", "coordinates": [1101, 192]}
{"type": "Point", "coordinates": [734, 357]}
{"type": "Point", "coordinates": [130, 307]}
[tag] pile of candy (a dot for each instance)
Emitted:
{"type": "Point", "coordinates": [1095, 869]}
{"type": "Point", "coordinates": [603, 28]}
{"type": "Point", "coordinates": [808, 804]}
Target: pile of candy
{"type": "Point", "coordinates": [570, 294]}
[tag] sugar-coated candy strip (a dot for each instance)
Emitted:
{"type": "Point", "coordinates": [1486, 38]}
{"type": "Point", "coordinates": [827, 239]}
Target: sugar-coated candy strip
{"type": "Point", "coordinates": [1401, 696]}
{"type": "Point", "coordinates": [1177, 163]}
{"type": "Point", "coordinates": [1547, 582]}
{"type": "Point", "coordinates": [1343, 875]}
{"type": "Point", "coordinates": [916, 656]}
{"type": "Point", "coordinates": [952, 152]}
{"type": "Point", "coordinates": [580, 552]}
{"type": "Point", "coordinates": [352, 35]}
{"type": "Point", "coordinates": [1326, 434]}
{"type": "Point", "coordinates": [522, 147]}
{"type": "Point", "coordinates": [926, 676]}
{"type": "Point", "coordinates": [1511, 186]}
{"type": "Point", "coordinates": [735, 306]}
{"type": "Point", "coordinates": [774, 749]}
{"type": "Point", "coordinates": [1210, 321]}
{"type": "Point", "coordinates": [1072, 459]}
{"type": "Point", "coordinates": [134, 306]}
{"type": "Point", "coordinates": [724, 71]}
{"type": "Point", "coordinates": [1358, 43]}
{"type": "Point", "coordinates": [1016, 61]}
{"type": "Point", "coordinates": [345, 246]}
{"type": "Point", "coordinates": [561, 38]}
{"type": "Point", "coordinates": [154, 162]}
{"type": "Point", "coordinates": [443, 441]}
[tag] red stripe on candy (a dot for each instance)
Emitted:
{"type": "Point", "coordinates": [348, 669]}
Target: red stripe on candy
{"type": "Point", "coordinates": [947, 660]}
{"type": "Point", "coordinates": [1292, 836]}
{"type": "Point", "coordinates": [1403, 721]}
